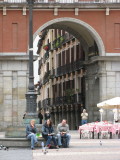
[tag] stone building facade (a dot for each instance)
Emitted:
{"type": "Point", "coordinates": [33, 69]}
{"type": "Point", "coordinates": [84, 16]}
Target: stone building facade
{"type": "Point", "coordinates": [95, 25]}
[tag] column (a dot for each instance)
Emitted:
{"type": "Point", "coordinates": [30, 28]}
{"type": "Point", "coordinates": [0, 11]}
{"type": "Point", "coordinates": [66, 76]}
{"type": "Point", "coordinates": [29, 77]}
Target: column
{"type": "Point", "coordinates": [56, 116]}
{"type": "Point", "coordinates": [60, 113]}
{"type": "Point", "coordinates": [72, 117]}
{"type": "Point", "coordinates": [77, 117]}
{"type": "Point", "coordinates": [63, 112]}
{"type": "Point", "coordinates": [68, 116]}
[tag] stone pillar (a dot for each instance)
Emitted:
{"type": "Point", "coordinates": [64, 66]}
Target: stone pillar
{"type": "Point", "coordinates": [56, 116]}
{"type": "Point", "coordinates": [72, 116]}
{"type": "Point", "coordinates": [68, 116]}
{"type": "Point", "coordinates": [63, 112]}
{"type": "Point", "coordinates": [77, 117]}
{"type": "Point", "coordinates": [52, 114]}
{"type": "Point", "coordinates": [60, 113]}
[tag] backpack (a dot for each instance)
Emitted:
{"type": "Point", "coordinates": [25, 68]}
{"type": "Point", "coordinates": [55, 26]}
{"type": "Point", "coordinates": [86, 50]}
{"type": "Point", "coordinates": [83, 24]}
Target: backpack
{"type": "Point", "coordinates": [64, 142]}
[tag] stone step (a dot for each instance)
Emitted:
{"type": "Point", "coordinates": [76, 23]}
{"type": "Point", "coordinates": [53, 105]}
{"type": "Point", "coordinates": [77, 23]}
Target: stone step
{"type": "Point", "coordinates": [18, 142]}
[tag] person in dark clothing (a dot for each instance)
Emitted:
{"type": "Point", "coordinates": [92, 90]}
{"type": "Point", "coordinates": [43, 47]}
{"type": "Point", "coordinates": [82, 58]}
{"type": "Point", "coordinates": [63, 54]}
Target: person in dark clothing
{"type": "Point", "coordinates": [31, 131]}
{"type": "Point", "coordinates": [48, 133]}
{"type": "Point", "coordinates": [40, 116]}
{"type": "Point", "coordinates": [47, 115]}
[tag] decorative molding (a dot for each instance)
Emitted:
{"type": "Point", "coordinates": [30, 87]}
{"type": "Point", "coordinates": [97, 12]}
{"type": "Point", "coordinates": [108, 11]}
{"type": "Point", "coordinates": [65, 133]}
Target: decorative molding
{"type": "Point", "coordinates": [24, 11]}
{"type": "Point", "coordinates": [107, 11]}
{"type": "Point", "coordinates": [112, 54]}
{"type": "Point", "coordinates": [4, 11]}
{"type": "Point", "coordinates": [76, 11]}
{"type": "Point", "coordinates": [55, 11]}
{"type": "Point", "coordinates": [16, 56]}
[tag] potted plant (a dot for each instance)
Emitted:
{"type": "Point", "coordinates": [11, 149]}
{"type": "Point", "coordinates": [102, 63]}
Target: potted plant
{"type": "Point", "coordinates": [45, 47]}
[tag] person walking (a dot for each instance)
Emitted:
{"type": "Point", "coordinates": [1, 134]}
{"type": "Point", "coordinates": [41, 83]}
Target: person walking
{"type": "Point", "coordinates": [47, 115]}
{"type": "Point", "coordinates": [31, 131]}
{"type": "Point", "coordinates": [84, 116]}
{"type": "Point", "coordinates": [63, 131]}
{"type": "Point", "coordinates": [40, 116]}
{"type": "Point", "coordinates": [48, 134]}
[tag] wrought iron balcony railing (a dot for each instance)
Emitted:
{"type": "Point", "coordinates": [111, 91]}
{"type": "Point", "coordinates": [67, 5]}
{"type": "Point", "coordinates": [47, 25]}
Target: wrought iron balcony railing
{"type": "Point", "coordinates": [65, 100]}
{"type": "Point", "coordinates": [46, 56]}
{"type": "Point", "coordinates": [57, 43]}
{"type": "Point", "coordinates": [62, 1]}
{"type": "Point", "coordinates": [46, 102]}
{"type": "Point", "coordinates": [74, 99]}
{"type": "Point", "coordinates": [68, 68]}
{"type": "Point", "coordinates": [46, 77]}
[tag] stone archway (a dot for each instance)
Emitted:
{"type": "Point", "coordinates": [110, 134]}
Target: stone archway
{"type": "Point", "coordinates": [84, 31]}
{"type": "Point", "coordinates": [87, 36]}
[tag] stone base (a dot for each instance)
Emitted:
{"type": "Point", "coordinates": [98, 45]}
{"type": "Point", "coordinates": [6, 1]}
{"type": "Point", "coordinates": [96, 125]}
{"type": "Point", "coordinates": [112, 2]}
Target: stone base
{"type": "Point", "coordinates": [19, 131]}
{"type": "Point", "coordinates": [18, 142]}
{"type": "Point", "coordinates": [27, 120]}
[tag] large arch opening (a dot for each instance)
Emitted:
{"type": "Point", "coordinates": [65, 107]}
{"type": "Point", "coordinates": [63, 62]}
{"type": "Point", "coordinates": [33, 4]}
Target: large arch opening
{"type": "Point", "coordinates": [81, 30]}
{"type": "Point", "coordinates": [79, 85]}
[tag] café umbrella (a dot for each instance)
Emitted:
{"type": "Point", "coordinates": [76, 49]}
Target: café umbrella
{"type": "Point", "coordinates": [110, 104]}
{"type": "Point", "coordinates": [113, 103]}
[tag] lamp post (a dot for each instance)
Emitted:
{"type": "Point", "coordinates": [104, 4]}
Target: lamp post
{"type": "Point", "coordinates": [101, 112]}
{"type": "Point", "coordinates": [31, 96]}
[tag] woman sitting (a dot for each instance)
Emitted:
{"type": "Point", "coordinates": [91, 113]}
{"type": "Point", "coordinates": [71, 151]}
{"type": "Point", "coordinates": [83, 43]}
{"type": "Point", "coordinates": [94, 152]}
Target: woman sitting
{"type": "Point", "coordinates": [48, 134]}
{"type": "Point", "coordinates": [31, 133]}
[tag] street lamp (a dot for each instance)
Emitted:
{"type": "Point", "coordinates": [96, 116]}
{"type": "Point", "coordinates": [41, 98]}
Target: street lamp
{"type": "Point", "coordinates": [101, 113]}
{"type": "Point", "coordinates": [31, 95]}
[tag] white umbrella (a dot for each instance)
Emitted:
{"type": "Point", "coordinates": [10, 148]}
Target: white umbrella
{"type": "Point", "coordinates": [113, 103]}
{"type": "Point", "coordinates": [110, 104]}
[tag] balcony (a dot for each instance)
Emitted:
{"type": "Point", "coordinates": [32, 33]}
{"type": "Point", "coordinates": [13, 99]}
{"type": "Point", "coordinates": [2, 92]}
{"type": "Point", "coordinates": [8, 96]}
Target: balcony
{"type": "Point", "coordinates": [61, 1]}
{"type": "Point", "coordinates": [65, 100]}
{"type": "Point", "coordinates": [57, 43]}
{"type": "Point", "coordinates": [46, 77]}
{"type": "Point", "coordinates": [74, 99]}
{"type": "Point", "coordinates": [52, 74]}
{"type": "Point", "coordinates": [68, 68]}
{"type": "Point", "coordinates": [46, 102]}
{"type": "Point", "coordinates": [46, 56]}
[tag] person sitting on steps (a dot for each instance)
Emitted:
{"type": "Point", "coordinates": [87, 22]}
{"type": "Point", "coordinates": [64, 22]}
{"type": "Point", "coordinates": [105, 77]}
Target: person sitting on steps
{"type": "Point", "coordinates": [31, 131]}
{"type": "Point", "coordinates": [63, 131]}
{"type": "Point", "coordinates": [48, 134]}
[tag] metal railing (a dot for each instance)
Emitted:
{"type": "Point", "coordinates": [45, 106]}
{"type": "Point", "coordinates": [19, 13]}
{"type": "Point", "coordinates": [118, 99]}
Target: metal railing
{"type": "Point", "coordinates": [63, 100]}
{"type": "Point", "coordinates": [74, 99]}
{"type": "Point", "coordinates": [62, 1]}
{"type": "Point", "coordinates": [46, 77]}
{"type": "Point", "coordinates": [46, 102]}
{"type": "Point", "coordinates": [68, 68]}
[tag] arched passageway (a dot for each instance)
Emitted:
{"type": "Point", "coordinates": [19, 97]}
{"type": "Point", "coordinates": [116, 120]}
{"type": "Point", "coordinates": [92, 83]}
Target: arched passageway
{"type": "Point", "coordinates": [92, 46]}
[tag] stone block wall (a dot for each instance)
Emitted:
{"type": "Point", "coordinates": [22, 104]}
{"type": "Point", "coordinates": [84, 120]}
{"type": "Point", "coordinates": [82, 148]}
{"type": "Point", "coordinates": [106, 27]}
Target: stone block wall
{"type": "Point", "coordinates": [13, 87]}
{"type": "Point", "coordinates": [102, 83]}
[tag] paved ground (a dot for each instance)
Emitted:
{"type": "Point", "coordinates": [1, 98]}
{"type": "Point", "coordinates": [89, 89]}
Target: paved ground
{"type": "Point", "coordinates": [80, 149]}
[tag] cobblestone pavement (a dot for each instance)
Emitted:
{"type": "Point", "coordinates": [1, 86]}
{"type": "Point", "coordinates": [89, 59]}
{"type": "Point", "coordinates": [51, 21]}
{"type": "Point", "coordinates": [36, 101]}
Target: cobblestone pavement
{"type": "Point", "coordinates": [80, 149]}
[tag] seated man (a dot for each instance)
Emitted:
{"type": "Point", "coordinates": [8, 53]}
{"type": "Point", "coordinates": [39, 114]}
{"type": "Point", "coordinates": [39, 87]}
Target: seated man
{"type": "Point", "coordinates": [63, 131]}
